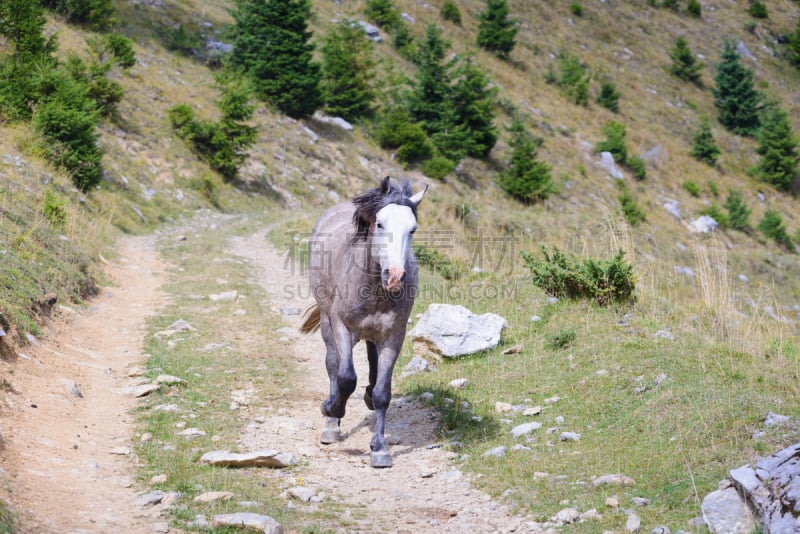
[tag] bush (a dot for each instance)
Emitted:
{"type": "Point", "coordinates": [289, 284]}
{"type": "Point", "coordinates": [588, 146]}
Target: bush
{"type": "Point", "coordinates": [122, 49]}
{"type": "Point", "coordinates": [438, 262]}
{"type": "Point", "coordinates": [576, 9]}
{"type": "Point", "coordinates": [638, 167]}
{"type": "Point", "coordinates": [602, 281]}
{"type": "Point", "coordinates": [451, 12]}
{"type": "Point", "coordinates": [437, 167]}
{"type": "Point", "coordinates": [692, 188]}
{"type": "Point", "coordinates": [631, 210]}
{"type": "Point", "coordinates": [383, 13]}
{"type": "Point", "coordinates": [704, 148]}
{"type": "Point", "coordinates": [97, 14]}
{"type": "Point", "coordinates": [608, 97]}
{"type": "Point", "coordinates": [562, 339]}
{"type": "Point", "coordinates": [694, 8]}
{"type": "Point", "coordinates": [614, 142]}
{"type": "Point", "coordinates": [526, 178]}
{"type": "Point", "coordinates": [771, 225]}
{"type": "Point", "coordinates": [757, 10]}
{"type": "Point", "coordinates": [573, 79]}
{"type": "Point", "coordinates": [54, 209]}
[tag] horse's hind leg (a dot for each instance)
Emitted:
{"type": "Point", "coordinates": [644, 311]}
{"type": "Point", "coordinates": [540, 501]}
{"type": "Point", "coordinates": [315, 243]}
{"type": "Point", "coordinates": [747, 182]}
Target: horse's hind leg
{"type": "Point", "coordinates": [372, 358]}
{"type": "Point", "coordinates": [339, 363]}
{"type": "Point", "coordinates": [331, 432]}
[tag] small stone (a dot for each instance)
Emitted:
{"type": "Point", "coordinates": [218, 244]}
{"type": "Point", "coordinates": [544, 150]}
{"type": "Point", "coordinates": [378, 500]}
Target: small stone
{"type": "Point", "coordinates": [640, 501]}
{"type": "Point", "coordinates": [559, 420]}
{"type": "Point", "coordinates": [150, 499]}
{"type": "Point", "coordinates": [417, 364]}
{"type": "Point", "coordinates": [536, 410]}
{"type": "Point", "coordinates": [612, 502]}
{"type": "Point", "coordinates": [167, 408]}
{"type": "Point", "coordinates": [616, 479]}
{"type": "Point", "coordinates": [144, 390]}
{"type": "Point", "coordinates": [262, 523]}
{"type": "Point", "coordinates": [291, 311]}
{"type": "Point", "coordinates": [569, 436]}
{"type": "Point", "coordinates": [591, 515]}
{"type": "Point", "coordinates": [565, 516]}
{"type": "Point", "coordinates": [520, 447]}
{"type": "Point", "coordinates": [264, 458]}
{"type": "Point", "coordinates": [552, 400]}
{"type": "Point", "coordinates": [161, 527]}
{"type": "Point", "coordinates": [659, 379]}
{"type": "Point", "coordinates": [169, 380]}
{"type": "Point", "coordinates": [120, 451]}
{"type": "Point", "coordinates": [199, 522]}
{"type": "Point", "coordinates": [158, 479]}
{"type": "Point", "coordinates": [535, 318]}
{"type": "Point", "coordinates": [213, 496]}
{"type": "Point", "coordinates": [662, 529]}
{"type": "Point", "coordinates": [302, 493]}
{"type": "Point", "coordinates": [224, 296]}
{"type": "Point", "coordinates": [147, 437]}
{"type": "Point", "coordinates": [525, 428]}
{"type": "Point", "coordinates": [633, 524]}
{"type": "Point", "coordinates": [502, 407]}
{"type": "Point", "coordinates": [459, 383]}
{"type": "Point", "coordinates": [665, 334]}
{"type": "Point", "coordinates": [497, 452]}
{"type": "Point", "coordinates": [191, 433]}
{"type": "Point", "coordinates": [774, 419]}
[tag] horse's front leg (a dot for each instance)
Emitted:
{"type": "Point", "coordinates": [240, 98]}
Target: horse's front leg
{"type": "Point", "coordinates": [341, 372]}
{"type": "Point", "coordinates": [381, 396]}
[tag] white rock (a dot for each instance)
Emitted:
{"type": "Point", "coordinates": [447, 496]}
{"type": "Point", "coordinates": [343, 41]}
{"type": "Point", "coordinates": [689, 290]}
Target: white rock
{"type": "Point", "coordinates": [703, 225]}
{"type": "Point", "coordinates": [497, 452]}
{"type": "Point", "coordinates": [525, 428]}
{"type": "Point", "coordinates": [615, 479]}
{"type": "Point", "coordinates": [502, 407]}
{"type": "Point", "coordinates": [263, 458]}
{"type": "Point", "coordinates": [459, 383]}
{"type": "Point", "coordinates": [569, 436]}
{"type": "Point", "coordinates": [302, 493]}
{"type": "Point", "coordinates": [191, 433]}
{"type": "Point", "coordinates": [169, 380]}
{"type": "Point", "coordinates": [249, 520]}
{"type": "Point", "coordinates": [607, 163]}
{"type": "Point", "coordinates": [213, 496]}
{"type": "Point", "coordinates": [565, 516]}
{"type": "Point", "coordinates": [453, 330]}
{"type": "Point", "coordinates": [633, 524]}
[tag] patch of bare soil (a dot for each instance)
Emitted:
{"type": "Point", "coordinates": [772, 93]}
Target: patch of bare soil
{"type": "Point", "coordinates": [67, 423]}
{"type": "Point", "coordinates": [423, 492]}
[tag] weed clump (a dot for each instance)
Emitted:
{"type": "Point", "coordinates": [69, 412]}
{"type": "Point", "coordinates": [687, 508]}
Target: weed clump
{"type": "Point", "coordinates": [602, 281]}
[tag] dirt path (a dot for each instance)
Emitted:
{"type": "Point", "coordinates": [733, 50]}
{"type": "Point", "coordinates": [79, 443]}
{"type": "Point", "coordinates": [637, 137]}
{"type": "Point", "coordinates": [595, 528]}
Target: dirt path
{"type": "Point", "coordinates": [62, 444]}
{"type": "Point", "coordinates": [423, 492]}
{"type": "Point", "coordinates": [60, 448]}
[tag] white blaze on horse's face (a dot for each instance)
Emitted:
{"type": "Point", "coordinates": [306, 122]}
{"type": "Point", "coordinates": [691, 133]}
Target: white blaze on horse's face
{"type": "Point", "coordinates": [394, 226]}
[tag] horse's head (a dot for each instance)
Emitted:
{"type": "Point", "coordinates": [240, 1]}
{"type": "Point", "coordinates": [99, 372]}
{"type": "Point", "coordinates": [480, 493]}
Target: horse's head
{"type": "Point", "coordinates": [389, 214]}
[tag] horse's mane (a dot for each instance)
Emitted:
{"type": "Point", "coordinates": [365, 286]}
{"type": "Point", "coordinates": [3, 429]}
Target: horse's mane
{"type": "Point", "coordinates": [370, 202]}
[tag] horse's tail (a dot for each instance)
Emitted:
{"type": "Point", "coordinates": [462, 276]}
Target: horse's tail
{"type": "Point", "coordinates": [311, 324]}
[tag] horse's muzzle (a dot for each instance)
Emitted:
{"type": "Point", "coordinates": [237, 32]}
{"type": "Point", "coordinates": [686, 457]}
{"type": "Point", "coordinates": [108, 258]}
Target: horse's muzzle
{"type": "Point", "coordinates": [393, 278]}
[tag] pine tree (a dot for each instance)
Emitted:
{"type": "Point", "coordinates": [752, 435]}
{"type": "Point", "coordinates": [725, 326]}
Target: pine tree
{"type": "Point", "coordinates": [473, 103]}
{"type": "Point", "coordinates": [684, 64]}
{"type": "Point", "coordinates": [738, 212]}
{"type": "Point", "coordinates": [272, 47]}
{"type": "Point", "coordinates": [778, 164]}
{"type": "Point", "coordinates": [703, 146]}
{"type": "Point", "coordinates": [451, 12]}
{"type": "Point", "coordinates": [525, 179]}
{"type": "Point", "coordinates": [771, 225]}
{"type": "Point", "coordinates": [97, 14]}
{"type": "Point", "coordinates": [429, 97]}
{"type": "Point", "coordinates": [22, 24]}
{"type": "Point", "coordinates": [496, 33]}
{"type": "Point", "coordinates": [348, 71]}
{"type": "Point", "coordinates": [383, 13]}
{"type": "Point", "coordinates": [735, 96]}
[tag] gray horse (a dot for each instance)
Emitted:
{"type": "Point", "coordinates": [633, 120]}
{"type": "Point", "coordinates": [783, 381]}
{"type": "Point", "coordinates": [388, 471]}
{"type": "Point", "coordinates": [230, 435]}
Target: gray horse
{"type": "Point", "coordinates": [363, 275]}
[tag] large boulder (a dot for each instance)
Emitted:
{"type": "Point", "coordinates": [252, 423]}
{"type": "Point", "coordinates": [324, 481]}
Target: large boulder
{"type": "Point", "coordinates": [770, 490]}
{"type": "Point", "coordinates": [453, 331]}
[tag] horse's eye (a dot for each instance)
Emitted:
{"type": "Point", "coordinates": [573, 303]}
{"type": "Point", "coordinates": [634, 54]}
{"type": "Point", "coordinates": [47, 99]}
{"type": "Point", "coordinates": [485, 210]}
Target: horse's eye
{"type": "Point", "coordinates": [412, 231]}
{"type": "Point", "coordinates": [379, 226]}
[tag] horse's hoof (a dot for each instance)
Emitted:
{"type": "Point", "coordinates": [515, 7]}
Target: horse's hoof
{"type": "Point", "coordinates": [330, 436]}
{"type": "Point", "coordinates": [380, 459]}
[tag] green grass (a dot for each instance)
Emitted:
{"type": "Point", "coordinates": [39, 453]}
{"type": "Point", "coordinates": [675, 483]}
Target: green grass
{"type": "Point", "coordinates": [676, 439]}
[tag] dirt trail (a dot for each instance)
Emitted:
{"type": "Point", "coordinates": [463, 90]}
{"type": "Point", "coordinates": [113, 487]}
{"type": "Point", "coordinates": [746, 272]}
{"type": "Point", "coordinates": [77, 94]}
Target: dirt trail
{"type": "Point", "coordinates": [58, 445]}
{"type": "Point", "coordinates": [423, 492]}
{"type": "Point", "coordinates": [58, 455]}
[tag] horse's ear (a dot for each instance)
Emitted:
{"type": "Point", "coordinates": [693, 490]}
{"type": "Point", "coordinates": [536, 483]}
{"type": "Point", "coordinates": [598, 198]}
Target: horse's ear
{"type": "Point", "coordinates": [416, 199]}
{"type": "Point", "coordinates": [385, 186]}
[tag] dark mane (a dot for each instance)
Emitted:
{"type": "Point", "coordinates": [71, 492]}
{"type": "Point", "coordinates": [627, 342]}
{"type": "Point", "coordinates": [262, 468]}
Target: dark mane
{"type": "Point", "coordinates": [370, 202]}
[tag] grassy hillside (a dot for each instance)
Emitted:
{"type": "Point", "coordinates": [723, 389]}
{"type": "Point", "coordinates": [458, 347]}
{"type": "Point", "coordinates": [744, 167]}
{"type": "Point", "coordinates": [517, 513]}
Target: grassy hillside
{"type": "Point", "coordinates": [735, 322]}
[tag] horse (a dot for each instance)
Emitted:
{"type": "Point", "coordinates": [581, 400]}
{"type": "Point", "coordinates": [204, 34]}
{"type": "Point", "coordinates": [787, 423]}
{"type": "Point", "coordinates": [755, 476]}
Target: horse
{"type": "Point", "coordinates": [363, 275]}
